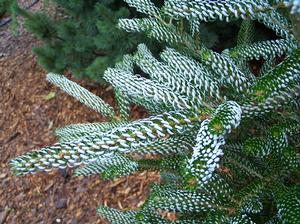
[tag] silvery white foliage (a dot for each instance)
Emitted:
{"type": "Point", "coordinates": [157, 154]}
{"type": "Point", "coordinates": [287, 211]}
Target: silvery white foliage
{"type": "Point", "coordinates": [154, 29]}
{"type": "Point", "coordinates": [173, 200]}
{"type": "Point", "coordinates": [294, 4]}
{"type": "Point", "coordinates": [140, 90]}
{"type": "Point", "coordinates": [264, 49]}
{"type": "Point", "coordinates": [281, 81]}
{"type": "Point", "coordinates": [127, 63]}
{"type": "Point", "coordinates": [122, 99]}
{"type": "Point", "coordinates": [123, 104]}
{"type": "Point", "coordinates": [167, 76]}
{"type": "Point", "coordinates": [123, 139]}
{"type": "Point", "coordinates": [193, 71]}
{"type": "Point", "coordinates": [229, 10]}
{"type": "Point", "coordinates": [206, 154]}
{"type": "Point", "coordinates": [225, 68]}
{"type": "Point", "coordinates": [117, 217]}
{"type": "Point", "coordinates": [194, 26]}
{"type": "Point", "coordinates": [81, 94]}
{"type": "Point", "coordinates": [76, 131]}
{"type": "Point", "coordinates": [165, 33]}
{"type": "Point", "coordinates": [171, 146]}
{"type": "Point", "coordinates": [278, 23]}
{"type": "Point", "coordinates": [124, 165]}
{"type": "Point", "coordinates": [144, 6]}
{"type": "Point", "coordinates": [209, 11]}
{"type": "Point", "coordinates": [176, 84]}
{"type": "Point", "coordinates": [133, 25]}
{"type": "Point", "coordinates": [207, 151]}
{"type": "Point", "coordinates": [228, 115]}
{"type": "Point", "coordinates": [243, 65]}
{"type": "Point", "coordinates": [214, 10]}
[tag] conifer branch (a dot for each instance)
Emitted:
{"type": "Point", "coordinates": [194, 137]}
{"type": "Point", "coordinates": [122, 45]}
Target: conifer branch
{"type": "Point", "coordinates": [223, 136]}
{"type": "Point", "coordinates": [81, 94]}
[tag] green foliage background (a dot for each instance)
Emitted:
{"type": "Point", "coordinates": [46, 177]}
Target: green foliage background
{"type": "Point", "coordinates": [4, 7]}
{"type": "Point", "coordinates": [84, 39]}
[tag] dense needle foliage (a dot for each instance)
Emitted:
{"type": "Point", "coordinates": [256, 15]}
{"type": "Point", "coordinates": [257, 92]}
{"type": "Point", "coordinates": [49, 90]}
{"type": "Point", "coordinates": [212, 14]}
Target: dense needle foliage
{"type": "Point", "coordinates": [4, 7]}
{"type": "Point", "coordinates": [81, 36]}
{"type": "Point", "coordinates": [224, 139]}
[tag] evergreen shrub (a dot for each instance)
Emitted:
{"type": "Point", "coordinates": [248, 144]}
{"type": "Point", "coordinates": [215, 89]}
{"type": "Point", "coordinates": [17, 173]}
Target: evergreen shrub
{"type": "Point", "coordinates": [224, 139]}
{"type": "Point", "coordinates": [83, 37]}
{"type": "Point", "coordinates": [4, 7]}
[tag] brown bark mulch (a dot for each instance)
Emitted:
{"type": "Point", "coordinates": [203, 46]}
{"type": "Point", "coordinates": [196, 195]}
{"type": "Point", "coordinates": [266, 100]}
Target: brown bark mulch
{"type": "Point", "coordinates": [27, 122]}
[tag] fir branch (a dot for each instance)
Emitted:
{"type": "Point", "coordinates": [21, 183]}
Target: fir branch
{"type": "Point", "coordinates": [275, 142]}
{"type": "Point", "coordinates": [288, 205]}
{"type": "Point", "coordinates": [246, 33]}
{"type": "Point", "coordinates": [266, 49]}
{"type": "Point", "coordinates": [180, 201]}
{"type": "Point", "coordinates": [149, 93]}
{"type": "Point", "coordinates": [115, 216]}
{"type": "Point", "coordinates": [216, 10]}
{"type": "Point", "coordinates": [121, 139]}
{"type": "Point", "coordinates": [206, 153]}
{"type": "Point", "coordinates": [225, 69]}
{"type": "Point", "coordinates": [109, 166]}
{"type": "Point", "coordinates": [126, 63]}
{"type": "Point", "coordinates": [241, 166]}
{"type": "Point", "coordinates": [199, 97]}
{"type": "Point", "coordinates": [275, 21]}
{"type": "Point", "coordinates": [170, 146]}
{"type": "Point", "coordinates": [156, 28]}
{"type": "Point", "coordinates": [76, 131]}
{"type": "Point", "coordinates": [144, 6]}
{"type": "Point", "coordinates": [123, 104]}
{"type": "Point", "coordinates": [276, 88]}
{"type": "Point", "coordinates": [81, 94]}
{"type": "Point", "coordinates": [193, 71]}
{"type": "Point", "coordinates": [165, 75]}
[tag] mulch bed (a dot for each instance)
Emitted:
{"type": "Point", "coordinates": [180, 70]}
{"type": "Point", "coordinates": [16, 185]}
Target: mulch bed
{"type": "Point", "coordinates": [27, 122]}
